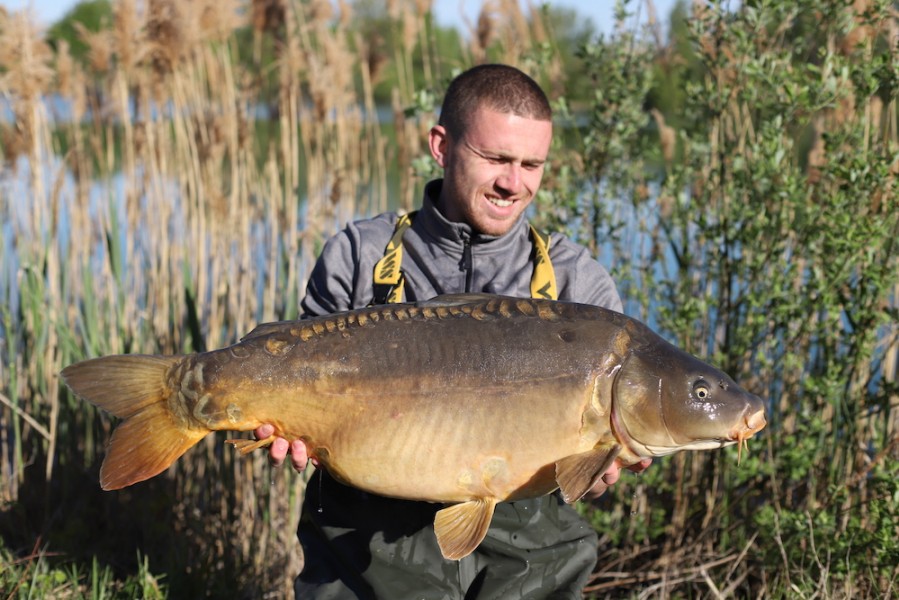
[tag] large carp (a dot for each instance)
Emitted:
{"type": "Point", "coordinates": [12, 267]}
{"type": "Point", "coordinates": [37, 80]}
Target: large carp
{"type": "Point", "coordinates": [464, 400]}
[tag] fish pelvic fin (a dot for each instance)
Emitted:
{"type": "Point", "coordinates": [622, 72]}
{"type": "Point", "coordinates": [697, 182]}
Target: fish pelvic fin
{"type": "Point", "coordinates": [134, 388]}
{"type": "Point", "coordinates": [577, 473]}
{"type": "Point", "coordinates": [460, 528]}
{"type": "Point", "coordinates": [247, 446]}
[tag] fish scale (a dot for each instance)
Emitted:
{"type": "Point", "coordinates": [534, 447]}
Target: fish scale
{"type": "Point", "coordinates": [466, 400]}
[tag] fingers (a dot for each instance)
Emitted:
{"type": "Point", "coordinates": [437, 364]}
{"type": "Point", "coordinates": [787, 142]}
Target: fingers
{"type": "Point", "coordinates": [611, 477]}
{"type": "Point", "coordinates": [277, 452]}
{"type": "Point", "coordinates": [596, 491]}
{"type": "Point", "coordinates": [640, 466]}
{"type": "Point", "coordinates": [264, 431]}
{"type": "Point", "coordinates": [600, 487]}
{"type": "Point", "coordinates": [296, 449]}
{"type": "Point", "coordinates": [280, 448]}
{"type": "Point", "coordinates": [298, 456]}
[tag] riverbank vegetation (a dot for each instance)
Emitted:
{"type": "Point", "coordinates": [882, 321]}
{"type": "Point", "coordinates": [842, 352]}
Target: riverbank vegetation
{"type": "Point", "coordinates": [170, 171]}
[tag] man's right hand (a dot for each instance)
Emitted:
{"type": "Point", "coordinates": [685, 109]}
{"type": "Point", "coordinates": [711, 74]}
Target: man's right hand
{"type": "Point", "coordinates": [280, 448]}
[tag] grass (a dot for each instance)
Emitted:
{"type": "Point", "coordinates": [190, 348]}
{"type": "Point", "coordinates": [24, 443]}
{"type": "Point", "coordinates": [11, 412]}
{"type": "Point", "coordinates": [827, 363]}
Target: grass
{"type": "Point", "coordinates": [41, 574]}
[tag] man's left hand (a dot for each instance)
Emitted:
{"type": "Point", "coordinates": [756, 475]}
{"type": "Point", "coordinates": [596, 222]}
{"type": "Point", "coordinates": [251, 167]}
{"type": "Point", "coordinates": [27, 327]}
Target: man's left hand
{"type": "Point", "coordinates": [612, 475]}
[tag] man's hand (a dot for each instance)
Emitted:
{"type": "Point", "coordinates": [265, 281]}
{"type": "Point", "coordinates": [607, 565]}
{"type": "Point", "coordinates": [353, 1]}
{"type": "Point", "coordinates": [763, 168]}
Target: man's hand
{"type": "Point", "coordinates": [280, 448]}
{"type": "Point", "coordinates": [612, 475]}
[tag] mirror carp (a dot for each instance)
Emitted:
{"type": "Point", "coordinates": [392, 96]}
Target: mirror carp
{"type": "Point", "coordinates": [466, 400]}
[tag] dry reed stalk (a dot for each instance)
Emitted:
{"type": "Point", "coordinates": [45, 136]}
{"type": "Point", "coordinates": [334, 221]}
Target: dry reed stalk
{"type": "Point", "coordinates": [370, 71]}
{"type": "Point", "coordinates": [396, 10]}
{"type": "Point", "coordinates": [423, 13]}
{"type": "Point", "coordinates": [515, 32]}
{"type": "Point", "coordinates": [126, 37]}
{"type": "Point", "coordinates": [663, 575]}
{"type": "Point", "coordinates": [411, 29]}
{"type": "Point", "coordinates": [284, 196]}
{"type": "Point", "coordinates": [27, 60]}
{"type": "Point", "coordinates": [165, 257]}
{"type": "Point", "coordinates": [542, 36]}
{"type": "Point", "coordinates": [236, 211]}
{"type": "Point", "coordinates": [412, 17]}
{"type": "Point", "coordinates": [333, 154]}
{"type": "Point", "coordinates": [405, 152]}
{"type": "Point", "coordinates": [72, 84]}
{"type": "Point", "coordinates": [28, 72]}
{"type": "Point", "coordinates": [483, 34]}
{"type": "Point", "coordinates": [890, 128]}
{"type": "Point", "coordinates": [314, 139]}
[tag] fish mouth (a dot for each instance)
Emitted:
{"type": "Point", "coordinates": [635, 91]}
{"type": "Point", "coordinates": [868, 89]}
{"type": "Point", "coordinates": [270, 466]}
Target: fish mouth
{"type": "Point", "coordinates": [756, 422]}
{"type": "Point", "coordinates": [752, 424]}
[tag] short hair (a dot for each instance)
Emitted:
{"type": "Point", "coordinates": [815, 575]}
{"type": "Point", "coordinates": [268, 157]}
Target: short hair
{"type": "Point", "coordinates": [498, 87]}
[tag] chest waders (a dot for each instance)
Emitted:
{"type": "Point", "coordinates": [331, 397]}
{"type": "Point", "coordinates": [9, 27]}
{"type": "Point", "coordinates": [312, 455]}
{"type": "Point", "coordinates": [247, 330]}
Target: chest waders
{"type": "Point", "coordinates": [389, 281]}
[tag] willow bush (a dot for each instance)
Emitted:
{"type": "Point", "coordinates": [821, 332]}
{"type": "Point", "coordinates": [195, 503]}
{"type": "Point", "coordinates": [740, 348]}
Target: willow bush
{"type": "Point", "coordinates": [761, 232]}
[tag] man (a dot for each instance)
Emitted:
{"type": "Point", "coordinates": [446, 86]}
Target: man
{"type": "Point", "coordinates": [492, 141]}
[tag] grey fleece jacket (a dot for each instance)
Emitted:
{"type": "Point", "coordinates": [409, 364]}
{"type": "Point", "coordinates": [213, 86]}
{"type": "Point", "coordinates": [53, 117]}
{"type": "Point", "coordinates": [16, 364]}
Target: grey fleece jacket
{"type": "Point", "coordinates": [433, 263]}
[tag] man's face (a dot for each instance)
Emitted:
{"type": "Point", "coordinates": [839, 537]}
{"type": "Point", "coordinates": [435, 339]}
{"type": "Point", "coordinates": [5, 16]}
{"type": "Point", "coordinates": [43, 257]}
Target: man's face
{"type": "Point", "coordinates": [492, 172]}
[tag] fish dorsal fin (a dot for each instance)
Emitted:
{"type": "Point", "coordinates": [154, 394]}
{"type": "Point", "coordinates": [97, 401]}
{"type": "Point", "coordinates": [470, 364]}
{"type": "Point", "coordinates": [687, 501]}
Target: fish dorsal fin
{"type": "Point", "coordinates": [461, 527]}
{"type": "Point", "coordinates": [264, 329]}
{"type": "Point", "coordinates": [457, 299]}
{"type": "Point", "coordinates": [577, 473]}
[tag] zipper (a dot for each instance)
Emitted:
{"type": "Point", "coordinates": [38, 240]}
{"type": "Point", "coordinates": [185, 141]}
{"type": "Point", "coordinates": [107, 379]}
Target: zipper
{"type": "Point", "coordinates": [466, 264]}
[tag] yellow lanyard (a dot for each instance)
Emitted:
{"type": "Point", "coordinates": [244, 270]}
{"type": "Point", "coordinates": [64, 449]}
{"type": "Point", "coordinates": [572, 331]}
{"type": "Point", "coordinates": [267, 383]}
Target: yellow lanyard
{"type": "Point", "coordinates": [389, 282]}
{"type": "Point", "coordinates": [543, 280]}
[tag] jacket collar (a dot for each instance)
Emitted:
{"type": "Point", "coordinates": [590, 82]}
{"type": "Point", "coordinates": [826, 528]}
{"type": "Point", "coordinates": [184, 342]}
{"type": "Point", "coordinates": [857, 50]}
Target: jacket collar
{"type": "Point", "coordinates": [451, 236]}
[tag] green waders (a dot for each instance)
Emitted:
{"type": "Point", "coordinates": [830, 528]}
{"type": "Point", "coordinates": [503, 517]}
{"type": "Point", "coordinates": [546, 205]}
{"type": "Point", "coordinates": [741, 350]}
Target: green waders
{"type": "Point", "coordinates": [359, 545]}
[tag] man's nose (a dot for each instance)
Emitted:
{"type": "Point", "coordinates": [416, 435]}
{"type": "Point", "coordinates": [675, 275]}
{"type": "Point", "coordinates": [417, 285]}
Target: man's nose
{"type": "Point", "coordinates": [510, 179]}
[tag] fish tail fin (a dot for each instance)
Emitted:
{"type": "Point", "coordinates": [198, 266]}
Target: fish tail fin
{"type": "Point", "coordinates": [134, 388]}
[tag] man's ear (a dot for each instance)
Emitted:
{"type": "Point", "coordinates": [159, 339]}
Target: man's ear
{"type": "Point", "coordinates": [437, 142]}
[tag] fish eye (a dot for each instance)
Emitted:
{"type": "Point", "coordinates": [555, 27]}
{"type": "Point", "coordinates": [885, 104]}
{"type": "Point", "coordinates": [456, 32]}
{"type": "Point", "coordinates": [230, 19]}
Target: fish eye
{"type": "Point", "coordinates": [701, 390]}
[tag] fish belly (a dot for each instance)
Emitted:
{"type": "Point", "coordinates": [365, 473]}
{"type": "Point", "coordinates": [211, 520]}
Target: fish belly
{"type": "Point", "coordinates": [454, 445]}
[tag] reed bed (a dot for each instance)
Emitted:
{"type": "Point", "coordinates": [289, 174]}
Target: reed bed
{"type": "Point", "coordinates": [180, 200]}
{"type": "Point", "coordinates": [205, 150]}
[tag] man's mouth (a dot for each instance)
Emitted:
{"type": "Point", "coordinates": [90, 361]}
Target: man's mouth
{"type": "Point", "coordinates": [499, 202]}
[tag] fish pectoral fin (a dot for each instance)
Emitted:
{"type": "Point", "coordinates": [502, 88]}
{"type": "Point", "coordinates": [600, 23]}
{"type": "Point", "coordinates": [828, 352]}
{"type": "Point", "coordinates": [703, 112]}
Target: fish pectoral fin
{"type": "Point", "coordinates": [577, 473]}
{"type": "Point", "coordinates": [461, 527]}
